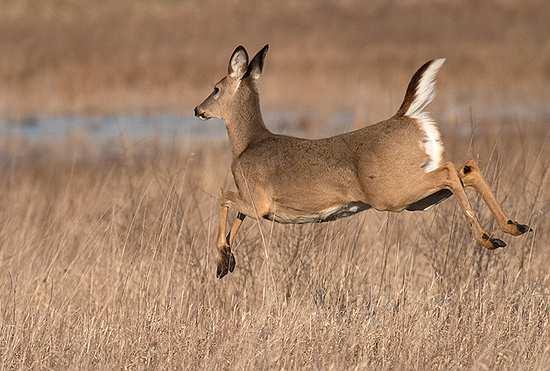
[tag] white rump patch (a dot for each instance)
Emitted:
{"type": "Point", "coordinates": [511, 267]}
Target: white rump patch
{"type": "Point", "coordinates": [432, 141]}
{"type": "Point", "coordinates": [424, 94]}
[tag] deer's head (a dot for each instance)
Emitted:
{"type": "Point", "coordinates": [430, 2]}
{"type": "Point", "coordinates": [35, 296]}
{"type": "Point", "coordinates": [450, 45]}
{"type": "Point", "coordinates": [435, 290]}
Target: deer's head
{"type": "Point", "coordinates": [237, 90]}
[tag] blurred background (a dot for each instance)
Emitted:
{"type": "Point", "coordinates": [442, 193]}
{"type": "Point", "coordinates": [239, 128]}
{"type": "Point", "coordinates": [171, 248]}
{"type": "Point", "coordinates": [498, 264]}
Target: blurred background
{"type": "Point", "coordinates": [140, 66]}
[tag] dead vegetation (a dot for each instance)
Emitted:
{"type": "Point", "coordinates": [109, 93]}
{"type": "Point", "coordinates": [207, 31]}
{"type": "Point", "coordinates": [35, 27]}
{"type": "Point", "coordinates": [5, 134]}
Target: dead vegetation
{"type": "Point", "coordinates": [109, 262]}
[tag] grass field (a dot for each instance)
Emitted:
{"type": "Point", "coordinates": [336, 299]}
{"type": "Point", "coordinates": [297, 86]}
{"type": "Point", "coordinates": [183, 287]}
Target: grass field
{"type": "Point", "coordinates": [107, 260]}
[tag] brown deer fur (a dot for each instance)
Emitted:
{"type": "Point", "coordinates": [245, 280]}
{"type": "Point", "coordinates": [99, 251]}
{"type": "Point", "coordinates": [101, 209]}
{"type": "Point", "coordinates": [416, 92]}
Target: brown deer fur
{"type": "Point", "coordinates": [394, 165]}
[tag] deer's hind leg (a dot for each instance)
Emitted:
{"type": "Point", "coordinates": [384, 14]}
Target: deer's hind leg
{"type": "Point", "coordinates": [471, 177]}
{"type": "Point", "coordinates": [452, 181]}
{"type": "Point", "coordinates": [444, 177]}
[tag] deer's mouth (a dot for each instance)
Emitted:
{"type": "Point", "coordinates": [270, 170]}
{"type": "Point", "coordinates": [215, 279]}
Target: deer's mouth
{"type": "Point", "coordinates": [201, 114]}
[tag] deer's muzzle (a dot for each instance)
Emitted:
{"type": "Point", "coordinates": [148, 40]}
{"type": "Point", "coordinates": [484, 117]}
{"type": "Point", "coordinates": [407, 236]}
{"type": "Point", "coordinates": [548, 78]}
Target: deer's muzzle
{"type": "Point", "coordinates": [200, 114]}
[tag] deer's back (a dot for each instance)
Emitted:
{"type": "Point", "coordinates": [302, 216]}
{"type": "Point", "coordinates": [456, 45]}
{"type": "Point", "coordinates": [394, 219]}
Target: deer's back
{"type": "Point", "coordinates": [330, 170]}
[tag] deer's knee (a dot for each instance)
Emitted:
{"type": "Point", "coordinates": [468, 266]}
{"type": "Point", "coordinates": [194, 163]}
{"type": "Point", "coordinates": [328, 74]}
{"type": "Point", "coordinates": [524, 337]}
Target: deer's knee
{"type": "Point", "coordinates": [470, 173]}
{"type": "Point", "coordinates": [451, 180]}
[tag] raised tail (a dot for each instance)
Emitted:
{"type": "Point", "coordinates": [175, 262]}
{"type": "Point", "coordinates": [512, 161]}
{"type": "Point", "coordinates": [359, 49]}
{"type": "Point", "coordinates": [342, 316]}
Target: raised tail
{"type": "Point", "coordinates": [421, 89]}
{"type": "Point", "coordinates": [420, 92]}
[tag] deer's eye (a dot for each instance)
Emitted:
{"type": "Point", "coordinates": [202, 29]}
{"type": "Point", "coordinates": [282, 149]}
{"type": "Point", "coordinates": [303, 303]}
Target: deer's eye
{"type": "Point", "coordinates": [216, 93]}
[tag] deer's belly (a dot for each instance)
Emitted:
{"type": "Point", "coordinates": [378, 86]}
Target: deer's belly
{"type": "Point", "coordinates": [290, 216]}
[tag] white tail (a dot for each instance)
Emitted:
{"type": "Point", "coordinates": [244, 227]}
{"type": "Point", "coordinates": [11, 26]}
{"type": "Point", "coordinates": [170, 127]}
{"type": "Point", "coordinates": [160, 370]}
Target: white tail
{"type": "Point", "coordinates": [420, 93]}
{"type": "Point", "coordinates": [422, 87]}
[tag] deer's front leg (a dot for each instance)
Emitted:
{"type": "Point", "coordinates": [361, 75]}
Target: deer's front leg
{"type": "Point", "coordinates": [235, 226]}
{"type": "Point", "coordinates": [226, 259]}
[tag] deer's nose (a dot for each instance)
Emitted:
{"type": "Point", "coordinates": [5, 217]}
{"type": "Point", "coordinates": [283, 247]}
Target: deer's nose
{"type": "Point", "coordinates": [196, 111]}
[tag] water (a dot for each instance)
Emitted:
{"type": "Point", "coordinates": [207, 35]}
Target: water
{"type": "Point", "coordinates": [101, 128]}
{"type": "Point", "coordinates": [171, 126]}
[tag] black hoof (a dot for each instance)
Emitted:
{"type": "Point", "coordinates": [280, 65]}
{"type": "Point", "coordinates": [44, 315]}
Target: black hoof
{"type": "Point", "coordinates": [231, 262]}
{"type": "Point", "coordinates": [521, 228]}
{"type": "Point", "coordinates": [497, 243]}
{"type": "Point", "coordinates": [221, 271]}
{"type": "Point", "coordinates": [492, 243]}
{"type": "Point", "coordinates": [225, 264]}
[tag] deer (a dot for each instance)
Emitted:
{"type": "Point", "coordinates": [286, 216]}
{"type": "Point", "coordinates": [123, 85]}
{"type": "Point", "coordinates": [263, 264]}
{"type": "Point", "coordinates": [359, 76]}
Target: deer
{"type": "Point", "coordinates": [394, 165]}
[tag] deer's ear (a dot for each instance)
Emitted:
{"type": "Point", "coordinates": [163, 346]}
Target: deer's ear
{"type": "Point", "coordinates": [256, 67]}
{"type": "Point", "coordinates": [238, 63]}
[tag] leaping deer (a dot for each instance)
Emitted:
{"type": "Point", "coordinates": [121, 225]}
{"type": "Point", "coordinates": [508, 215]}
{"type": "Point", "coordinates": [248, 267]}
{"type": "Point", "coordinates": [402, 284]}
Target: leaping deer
{"type": "Point", "coordinates": [394, 165]}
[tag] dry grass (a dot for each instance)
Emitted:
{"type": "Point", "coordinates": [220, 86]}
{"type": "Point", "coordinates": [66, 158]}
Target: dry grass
{"type": "Point", "coordinates": [74, 56]}
{"type": "Point", "coordinates": [107, 261]}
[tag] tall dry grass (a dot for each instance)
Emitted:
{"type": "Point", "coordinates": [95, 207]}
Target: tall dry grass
{"type": "Point", "coordinates": [107, 261]}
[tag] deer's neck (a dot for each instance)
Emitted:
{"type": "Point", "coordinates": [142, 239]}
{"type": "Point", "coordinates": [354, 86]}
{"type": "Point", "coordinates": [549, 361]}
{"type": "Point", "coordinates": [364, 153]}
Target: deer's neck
{"type": "Point", "coordinates": [245, 126]}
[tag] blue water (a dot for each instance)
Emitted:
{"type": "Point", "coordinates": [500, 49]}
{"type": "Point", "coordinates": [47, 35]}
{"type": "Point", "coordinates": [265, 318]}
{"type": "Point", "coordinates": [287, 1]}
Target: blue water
{"type": "Point", "coordinates": [101, 128]}
{"type": "Point", "coordinates": [173, 126]}
{"type": "Point", "coordinates": [105, 127]}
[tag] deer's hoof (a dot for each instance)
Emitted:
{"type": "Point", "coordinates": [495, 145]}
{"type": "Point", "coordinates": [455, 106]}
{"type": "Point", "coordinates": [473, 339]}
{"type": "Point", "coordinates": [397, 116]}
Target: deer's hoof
{"type": "Point", "coordinates": [516, 229]}
{"type": "Point", "coordinates": [231, 262]}
{"type": "Point", "coordinates": [497, 243]}
{"type": "Point", "coordinates": [226, 263]}
{"type": "Point", "coordinates": [492, 243]}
